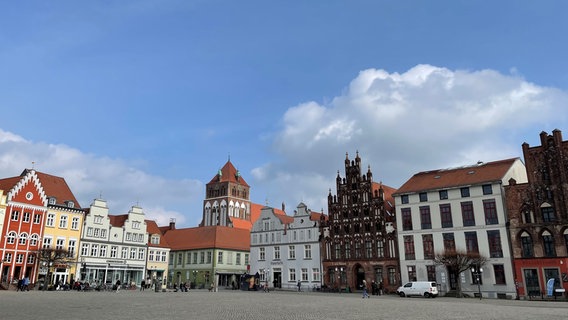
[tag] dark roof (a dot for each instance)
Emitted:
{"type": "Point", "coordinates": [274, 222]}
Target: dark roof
{"type": "Point", "coordinates": [219, 237]}
{"type": "Point", "coordinates": [456, 177]}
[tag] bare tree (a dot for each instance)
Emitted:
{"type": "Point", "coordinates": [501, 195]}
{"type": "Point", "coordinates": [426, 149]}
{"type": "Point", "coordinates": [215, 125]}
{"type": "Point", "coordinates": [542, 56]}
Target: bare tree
{"type": "Point", "coordinates": [49, 258]}
{"type": "Point", "coordinates": [458, 261]}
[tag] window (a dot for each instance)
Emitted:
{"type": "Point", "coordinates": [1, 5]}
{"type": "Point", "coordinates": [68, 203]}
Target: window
{"type": "Point", "coordinates": [84, 249]}
{"type": "Point", "coordinates": [464, 192]}
{"type": "Point", "coordinates": [98, 219]}
{"type": "Point", "coordinates": [425, 218]}
{"type": "Point", "coordinates": [412, 273]}
{"type": "Point", "coordinates": [8, 257]}
{"type": "Point", "coordinates": [20, 258]}
{"type": "Point", "coordinates": [94, 250]}
{"type": "Point", "coordinates": [431, 272]}
{"type": "Point", "coordinates": [409, 248]}
{"type": "Point", "coordinates": [60, 244]}
{"type": "Point", "coordinates": [499, 271]}
{"type": "Point", "coordinates": [135, 225]}
{"type": "Point", "coordinates": [307, 251]}
{"type": "Point", "coordinates": [337, 251]}
{"type": "Point", "coordinates": [11, 237]}
{"type": "Point", "coordinates": [15, 215]}
{"type": "Point", "coordinates": [423, 196]}
{"type": "Point", "coordinates": [202, 257]}
{"type": "Point", "coordinates": [75, 223]}
{"type": "Point", "coordinates": [164, 256]}
{"type": "Point", "coordinates": [471, 242]}
{"type": "Point", "coordinates": [261, 254]}
{"type": "Point", "coordinates": [494, 239]}
{"type": "Point", "coordinates": [47, 242]}
{"type": "Point", "coordinates": [315, 274]}
{"type": "Point", "coordinates": [467, 214]}
{"type": "Point", "coordinates": [33, 240]}
{"type": "Point", "coordinates": [404, 199]}
{"type": "Point", "coordinates": [194, 255]}
{"type": "Point", "coordinates": [97, 232]}
{"type": "Point", "coordinates": [291, 252]}
{"type": "Point", "coordinates": [526, 246]}
{"type": "Point", "coordinates": [357, 249]}
{"type": "Point", "coordinates": [548, 244]}
{"type": "Point", "coordinates": [246, 258]}
{"type": "Point", "coordinates": [151, 255]}
{"type": "Point", "coordinates": [124, 253]}
{"type": "Point", "coordinates": [547, 214]}
{"type": "Point", "coordinates": [490, 211]}
{"type": "Point", "coordinates": [103, 233]}
{"type": "Point", "coordinates": [26, 217]}
{"type": "Point", "coordinates": [238, 259]}
{"type": "Point", "coordinates": [128, 236]}
{"type": "Point", "coordinates": [90, 231]}
{"type": "Point", "coordinates": [113, 251]}
{"type": "Point", "coordinates": [50, 220]}
{"type": "Point", "coordinates": [31, 259]}
{"type": "Point", "coordinates": [380, 248]}
{"type": "Point", "coordinates": [155, 239]}
{"type": "Point", "coordinates": [443, 194]}
{"type": "Point", "coordinates": [276, 253]}
{"type": "Point", "coordinates": [37, 218]}
{"type": "Point", "coordinates": [406, 219]}
{"type": "Point", "coordinates": [63, 222]}
{"type": "Point", "coordinates": [220, 257]}
{"type": "Point", "coordinates": [209, 257]}
{"type": "Point", "coordinates": [368, 249]}
{"type": "Point", "coordinates": [449, 241]}
{"type": "Point", "coordinates": [103, 251]}
{"type": "Point", "coordinates": [487, 189]}
{"type": "Point", "coordinates": [292, 274]}
{"type": "Point", "coordinates": [140, 254]}
{"type": "Point", "coordinates": [392, 276]}
{"type": "Point", "coordinates": [304, 274]}
{"type": "Point", "coordinates": [428, 244]}
{"type": "Point", "coordinates": [132, 253]}
{"type": "Point", "coordinates": [446, 215]}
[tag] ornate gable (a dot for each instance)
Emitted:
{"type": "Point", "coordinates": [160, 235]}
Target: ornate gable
{"type": "Point", "coordinates": [28, 190]}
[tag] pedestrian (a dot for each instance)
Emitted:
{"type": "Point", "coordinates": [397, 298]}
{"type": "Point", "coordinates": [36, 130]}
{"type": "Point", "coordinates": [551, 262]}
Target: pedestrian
{"type": "Point", "coordinates": [365, 293]}
{"type": "Point", "coordinates": [26, 284]}
{"type": "Point", "coordinates": [143, 285]}
{"type": "Point", "coordinates": [374, 288]}
{"type": "Point", "coordinates": [266, 287]}
{"type": "Point", "coordinates": [380, 288]}
{"type": "Point", "coordinates": [299, 286]}
{"type": "Point", "coordinates": [20, 285]}
{"type": "Point", "coordinates": [117, 285]}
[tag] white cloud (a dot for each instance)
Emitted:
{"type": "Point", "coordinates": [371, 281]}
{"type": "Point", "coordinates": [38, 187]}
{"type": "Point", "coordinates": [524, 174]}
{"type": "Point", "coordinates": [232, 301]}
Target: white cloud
{"type": "Point", "coordinates": [426, 118]}
{"type": "Point", "coordinates": [118, 182]}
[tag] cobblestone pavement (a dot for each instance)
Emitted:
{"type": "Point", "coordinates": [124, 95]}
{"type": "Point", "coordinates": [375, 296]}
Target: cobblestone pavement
{"type": "Point", "coordinates": [202, 304]}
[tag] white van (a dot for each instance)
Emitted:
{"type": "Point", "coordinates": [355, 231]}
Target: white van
{"type": "Point", "coordinates": [427, 289]}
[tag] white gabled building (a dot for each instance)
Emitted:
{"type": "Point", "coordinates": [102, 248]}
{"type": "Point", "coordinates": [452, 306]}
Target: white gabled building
{"type": "Point", "coordinates": [460, 208]}
{"type": "Point", "coordinates": [113, 247]}
{"type": "Point", "coordinates": [285, 249]}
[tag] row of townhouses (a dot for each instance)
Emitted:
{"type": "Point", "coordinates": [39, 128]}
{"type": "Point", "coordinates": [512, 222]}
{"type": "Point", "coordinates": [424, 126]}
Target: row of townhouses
{"type": "Point", "coordinates": [513, 213]}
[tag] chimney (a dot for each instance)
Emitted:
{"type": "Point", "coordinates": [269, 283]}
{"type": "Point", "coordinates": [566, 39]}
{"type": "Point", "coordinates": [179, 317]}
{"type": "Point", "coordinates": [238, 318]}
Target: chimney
{"type": "Point", "coordinates": [172, 223]}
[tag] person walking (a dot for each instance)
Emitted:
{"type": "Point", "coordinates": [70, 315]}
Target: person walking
{"type": "Point", "coordinates": [365, 293]}
{"type": "Point", "coordinates": [143, 285]}
{"type": "Point", "coordinates": [117, 285]}
{"type": "Point", "coordinates": [299, 286]}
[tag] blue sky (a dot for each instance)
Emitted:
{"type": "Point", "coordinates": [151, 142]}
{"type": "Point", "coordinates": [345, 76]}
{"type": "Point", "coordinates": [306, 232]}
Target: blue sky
{"type": "Point", "coordinates": [143, 101]}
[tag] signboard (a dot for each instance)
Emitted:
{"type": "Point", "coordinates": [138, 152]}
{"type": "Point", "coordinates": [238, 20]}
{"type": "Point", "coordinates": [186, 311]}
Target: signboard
{"type": "Point", "coordinates": [550, 287]}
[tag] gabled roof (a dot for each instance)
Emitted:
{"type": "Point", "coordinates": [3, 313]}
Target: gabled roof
{"type": "Point", "coordinates": [229, 174]}
{"type": "Point", "coordinates": [53, 186]}
{"type": "Point", "coordinates": [209, 237]}
{"type": "Point", "coordinates": [388, 193]}
{"type": "Point", "coordinates": [457, 177]}
{"type": "Point", "coordinates": [152, 228]}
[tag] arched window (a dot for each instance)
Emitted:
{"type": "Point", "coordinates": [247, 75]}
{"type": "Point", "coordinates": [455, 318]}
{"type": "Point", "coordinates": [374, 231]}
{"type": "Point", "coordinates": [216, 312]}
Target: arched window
{"type": "Point", "coordinates": [23, 238]}
{"type": "Point", "coordinates": [548, 244]}
{"type": "Point", "coordinates": [527, 250]}
{"type": "Point", "coordinates": [11, 237]}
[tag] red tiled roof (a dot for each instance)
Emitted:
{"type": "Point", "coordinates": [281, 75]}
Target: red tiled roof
{"type": "Point", "coordinates": [117, 220]}
{"type": "Point", "coordinates": [152, 228]}
{"type": "Point", "coordinates": [219, 237]}
{"type": "Point", "coordinates": [455, 177]}
{"type": "Point", "coordinates": [53, 186]}
{"type": "Point", "coordinates": [229, 173]}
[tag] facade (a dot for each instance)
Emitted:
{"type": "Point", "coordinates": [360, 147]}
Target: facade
{"type": "Point", "coordinates": [29, 197]}
{"type": "Point", "coordinates": [207, 256]}
{"type": "Point", "coordinates": [458, 209]}
{"type": "Point", "coordinates": [227, 200]}
{"type": "Point", "coordinates": [285, 250]}
{"type": "Point", "coordinates": [158, 255]}
{"type": "Point", "coordinates": [538, 214]}
{"type": "Point", "coordinates": [359, 239]}
{"type": "Point", "coordinates": [113, 247]}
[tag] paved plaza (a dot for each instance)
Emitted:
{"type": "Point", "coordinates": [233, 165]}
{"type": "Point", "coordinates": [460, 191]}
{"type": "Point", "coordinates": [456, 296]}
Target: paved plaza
{"type": "Point", "coordinates": [202, 304]}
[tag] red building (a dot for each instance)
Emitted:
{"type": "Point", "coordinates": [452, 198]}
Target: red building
{"type": "Point", "coordinates": [28, 197]}
{"type": "Point", "coordinates": [538, 218]}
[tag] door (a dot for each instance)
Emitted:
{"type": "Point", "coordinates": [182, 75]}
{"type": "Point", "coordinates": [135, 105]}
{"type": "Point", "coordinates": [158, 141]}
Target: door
{"type": "Point", "coordinates": [453, 279]}
{"type": "Point", "coordinates": [532, 285]}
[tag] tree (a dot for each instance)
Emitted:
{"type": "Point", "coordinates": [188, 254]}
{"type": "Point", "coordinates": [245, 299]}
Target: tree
{"type": "Point", "coordinates": [50, 257]}
{"type": "Point", "coordinates": [458, 261]}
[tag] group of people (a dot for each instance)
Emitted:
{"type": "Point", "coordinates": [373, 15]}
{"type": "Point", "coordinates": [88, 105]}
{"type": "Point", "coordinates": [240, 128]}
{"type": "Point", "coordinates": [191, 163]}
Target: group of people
{"type": "Point", "coordinates": [376, 289]}
{"type": "Point", "coordinates": [23, 284]}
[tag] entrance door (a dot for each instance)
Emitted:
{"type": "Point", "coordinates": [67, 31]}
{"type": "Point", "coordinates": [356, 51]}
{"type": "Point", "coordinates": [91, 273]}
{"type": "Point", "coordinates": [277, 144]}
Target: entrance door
{"type": "Point", "coordinates": [453, 279]}
{"type": "Point", "coordinates": [531, 282]}
{"type": "Point", "coordinates": [277, 280]}
{"type": "Point", "coordinates": [360, 276]}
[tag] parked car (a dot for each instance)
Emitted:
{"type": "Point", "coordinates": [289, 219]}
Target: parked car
{"type": "Point", "coordinates": [427, 289]}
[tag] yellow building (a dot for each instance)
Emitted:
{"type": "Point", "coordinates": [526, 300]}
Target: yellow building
{"type": "Point", "coordinates": [157, 258]}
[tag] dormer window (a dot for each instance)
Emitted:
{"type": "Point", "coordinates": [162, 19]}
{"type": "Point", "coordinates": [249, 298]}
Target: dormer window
{"type": "Point", "coordinates": [155, 239]}
{"type": "Point", "coordinates": [52, 200]}
{"type": "Point", "coordinates": [70, 204]}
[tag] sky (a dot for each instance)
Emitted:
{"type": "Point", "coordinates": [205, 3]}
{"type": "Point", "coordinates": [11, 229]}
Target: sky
{"type": "Point", "coordinates": [142, 102]}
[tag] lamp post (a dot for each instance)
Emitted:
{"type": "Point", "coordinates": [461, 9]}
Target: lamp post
{"type": "Point", "coordinates": [194, 278]}
{"type": "Point", "coordinates": [477, 271]}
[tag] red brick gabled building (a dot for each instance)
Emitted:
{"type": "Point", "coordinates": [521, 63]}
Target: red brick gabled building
{"type": "Point", "coordinates": [538, 217]}
{"type": "Point", "coordinates": [28, 198]}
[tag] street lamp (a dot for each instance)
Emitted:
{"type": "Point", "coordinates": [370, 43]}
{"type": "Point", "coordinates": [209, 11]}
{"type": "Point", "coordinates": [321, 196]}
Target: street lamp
{"type": "Point", "coordinates": [477, 271]}
{"type": "Point", "coordinates": [194, 278]}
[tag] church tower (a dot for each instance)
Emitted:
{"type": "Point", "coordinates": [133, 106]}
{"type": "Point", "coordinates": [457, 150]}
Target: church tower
{"type": "Point", "coordinates": [227, 198]}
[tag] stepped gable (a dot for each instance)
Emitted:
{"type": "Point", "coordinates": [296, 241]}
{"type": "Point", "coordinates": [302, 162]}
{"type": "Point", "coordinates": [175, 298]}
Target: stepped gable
{"type": "Point", "coordinates": [456, 177]}
{"type": "Point", "coordinates": [218, 237]}
{"type": "Point", "coordinates": [229, 174]}
{"type": "Point", "coordinates": [53, 186]}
